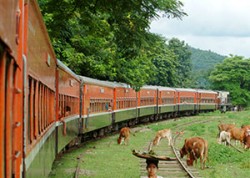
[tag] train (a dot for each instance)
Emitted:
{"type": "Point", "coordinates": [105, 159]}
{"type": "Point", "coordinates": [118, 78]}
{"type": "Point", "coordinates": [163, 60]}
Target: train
{"type": "Point", "coordinates": [46, 107]}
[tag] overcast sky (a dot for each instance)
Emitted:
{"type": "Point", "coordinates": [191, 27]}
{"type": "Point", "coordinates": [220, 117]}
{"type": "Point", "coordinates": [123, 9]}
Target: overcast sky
{"type": "Point", "coordinates": [222, 26]}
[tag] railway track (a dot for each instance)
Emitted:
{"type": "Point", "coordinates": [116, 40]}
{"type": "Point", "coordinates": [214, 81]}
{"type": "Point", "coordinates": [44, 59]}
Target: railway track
{"type": "Point", "coordinates": [174, 168]}
{"type": "Point", "coordinates": [237, 149]}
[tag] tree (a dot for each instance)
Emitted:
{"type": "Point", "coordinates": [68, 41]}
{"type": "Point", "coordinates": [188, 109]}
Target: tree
{"type": "Point", "coordinates": [183, 54]}
{"type": "Point", "coordinates": [233, 75]}
{"type": "Point", "coordinates": [103, 39]}
{"type": "Point", "coordinates": [164, 61]}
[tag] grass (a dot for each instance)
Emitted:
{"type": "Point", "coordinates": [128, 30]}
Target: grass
{"type": "Point", "coordinates": [105, 159]}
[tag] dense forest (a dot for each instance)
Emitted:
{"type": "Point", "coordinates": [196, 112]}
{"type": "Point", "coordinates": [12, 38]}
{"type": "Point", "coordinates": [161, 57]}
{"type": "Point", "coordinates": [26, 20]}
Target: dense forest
{"type": "Point", "coordinates": [110, 40]}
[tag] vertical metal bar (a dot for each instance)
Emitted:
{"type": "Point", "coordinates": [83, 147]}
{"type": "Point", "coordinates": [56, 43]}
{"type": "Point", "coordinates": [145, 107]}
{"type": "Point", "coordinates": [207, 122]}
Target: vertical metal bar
{"type": "Point", "coordinates": [2, 109]}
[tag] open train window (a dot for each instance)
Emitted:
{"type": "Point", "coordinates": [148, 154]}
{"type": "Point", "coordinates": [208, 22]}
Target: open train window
{"type": "Point", "coordinates": [68, 105]}
{"type": "Point", "coordinates": [40, 108]}
{"type": "Point", "coordinates": [147, 101]}
{"type": "Point", "coordinates": [100, 105]}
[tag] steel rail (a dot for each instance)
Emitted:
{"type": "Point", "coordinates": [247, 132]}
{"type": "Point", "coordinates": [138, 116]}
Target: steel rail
{"type": "Point", "coordinates": [178, 158]}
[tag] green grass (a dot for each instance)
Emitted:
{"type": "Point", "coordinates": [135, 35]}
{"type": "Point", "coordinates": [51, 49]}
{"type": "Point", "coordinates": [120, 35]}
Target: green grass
{"type": "Point", "coordinates": [105, 159]}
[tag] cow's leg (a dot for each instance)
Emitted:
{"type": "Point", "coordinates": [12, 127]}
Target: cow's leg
{"type": "Point", "coordinates": [126, 140]}
{"type": "Point", "coordinates": [158, 140]}
{"type": "Point", "coordinates": [228, 141]}
{"type": "Point", "coordinates": [202, 159]}
{"type": "Point", "coordinates": [169, 140]}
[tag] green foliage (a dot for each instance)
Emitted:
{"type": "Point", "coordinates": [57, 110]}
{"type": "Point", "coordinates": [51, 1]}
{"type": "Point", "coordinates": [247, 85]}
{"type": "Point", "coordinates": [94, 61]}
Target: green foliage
{"type": "Point", "coordinates": [164, 61]}
{"type": "Point", "coordinates": [107, 39]}
{"type": "Point", "coordinates": [233, 75]}
{"type": "Point", "coordinates": [183, 61]}
{"type": "Point", "coordinates": [203, 59]}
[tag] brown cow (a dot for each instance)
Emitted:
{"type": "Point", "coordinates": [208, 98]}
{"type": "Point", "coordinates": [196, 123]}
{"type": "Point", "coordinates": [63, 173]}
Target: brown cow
{"type": "Point", "coordinates": [124, 135]}
{"type": "Point", "coordinates": [241, 134]}
{"type": "Point", "coordinates": [225, 127]}
{"type": "Point", "coordinates": [237, 134]}
{"type": "Point", "coordinates": [246, 140]}
{"type": "Point", "coordinates": [165, 133]}
{"type": "Point", "coordinates": [195, 148]}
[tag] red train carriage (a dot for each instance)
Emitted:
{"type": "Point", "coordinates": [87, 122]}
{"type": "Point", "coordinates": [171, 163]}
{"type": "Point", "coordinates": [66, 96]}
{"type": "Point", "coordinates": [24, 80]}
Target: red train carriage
{"type": "Point", "coordinates": [40, 97]}
{"type": "Point", "coordinates": [98, 99]}
{"type": "Point", "coordinates": [68, 106]}
{"type": "Point", "coordinates": [208, 100]}
{"type": "Point", "coordinates": [69, 92]}
{"type": "Point", "coordinates": [126, 102]}
{"type": "Point", "coordinates": [167, 98]}
{"type": "Point", "coordinates": [147, 101]}
{"type": "Point", "coordinates": [126, 97]}
{"type": "Point", "coordinates": [187, 100]}
{"type": "Point", "coordinates": [12, 48]}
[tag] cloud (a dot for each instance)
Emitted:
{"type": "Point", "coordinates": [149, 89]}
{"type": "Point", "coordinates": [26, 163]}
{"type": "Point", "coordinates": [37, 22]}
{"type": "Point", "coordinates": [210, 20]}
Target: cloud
{"type": "Point", "coordinates": [218, 25]}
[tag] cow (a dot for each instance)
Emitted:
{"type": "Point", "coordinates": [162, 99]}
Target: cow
{"type": "Point", "coordinates": [246, 140]}
{"type": "Point", "coordinates": [225, 127]}
{"type": "Point", "coordinates": [237, 134]}
{"type": "Point", "coordinates": [195, 148]}
{"type": "Point", "coordinates": [124, 136]}
{"type": "Point", "coordinates": [225, 137]}
{"type": "Point", "coordinates": [165, 133]}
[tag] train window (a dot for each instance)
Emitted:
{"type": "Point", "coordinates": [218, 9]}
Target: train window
{"type": "Point", "coordinates": [29, 116]}
{"type": "Point", "coordinates": [125, 102]}
{"type": "Point", "coordinates": [187, 100]}
{"type": "Point", "coordinates": [68, 105]}
{"type": "Point", "coordinates": [100, 105]}
{"type": "Point", "coordinates": [208, 100]}
{"type": "Point", "coordinates": [32, 110]}
{"type": "Point", "coordinates": [147, 101]}
{"type": "Point", "coordinates": [40, 108]}
{"type": "Point", "coordinates": [167, 100]}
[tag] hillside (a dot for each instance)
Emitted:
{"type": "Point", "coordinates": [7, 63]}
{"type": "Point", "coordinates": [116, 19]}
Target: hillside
{"type": "Point", "coordinates": [203, 62]}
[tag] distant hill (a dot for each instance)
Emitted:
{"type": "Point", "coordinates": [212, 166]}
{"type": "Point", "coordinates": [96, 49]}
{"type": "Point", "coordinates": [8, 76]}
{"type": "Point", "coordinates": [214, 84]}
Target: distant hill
{"type": "Point", "coordinates": [203, 61]}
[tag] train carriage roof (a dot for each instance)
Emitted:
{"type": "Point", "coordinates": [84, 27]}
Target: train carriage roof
{"type": "Point", "coordinates": [150, 87]}
{"type": "Point", "coordinates": [166, 88]}
{"type": "Point", "coordinates": [186, 89]}
{"type": "Point", "coordinates": [161, 88]}
{"type": "Point", "coordinates": [92, 81]}
{"type": "Point", "coordinates": [206, 91]}
{"type": "Point", "coordinates": [62, 66]}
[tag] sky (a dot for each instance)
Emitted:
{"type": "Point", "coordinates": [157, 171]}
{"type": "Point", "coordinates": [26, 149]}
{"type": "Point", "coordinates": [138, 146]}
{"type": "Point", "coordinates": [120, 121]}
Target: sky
{"type": "Point", "coordinates": [222, 26]}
